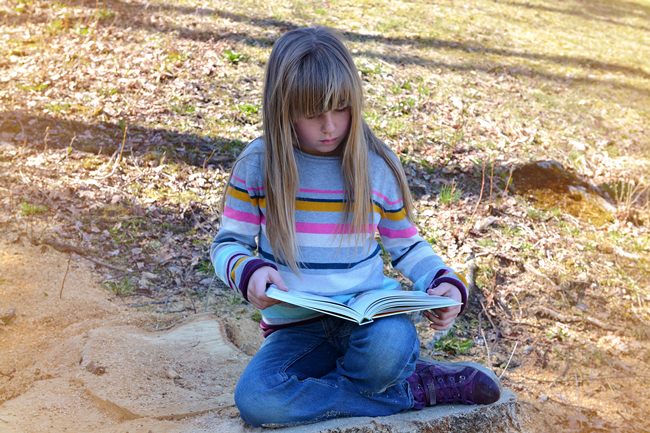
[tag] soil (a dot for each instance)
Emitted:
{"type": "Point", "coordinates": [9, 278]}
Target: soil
{"type": "Point", "coordinates": [67, 360]}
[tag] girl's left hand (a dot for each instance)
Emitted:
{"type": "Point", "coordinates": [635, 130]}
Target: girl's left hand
{"type": "Point", "coordinates": [442, 318]}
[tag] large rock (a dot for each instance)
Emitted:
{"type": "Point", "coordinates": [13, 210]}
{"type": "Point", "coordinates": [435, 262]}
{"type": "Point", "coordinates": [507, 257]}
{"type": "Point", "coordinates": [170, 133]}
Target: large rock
{"type": "Point", "coordinates": [500, 417]}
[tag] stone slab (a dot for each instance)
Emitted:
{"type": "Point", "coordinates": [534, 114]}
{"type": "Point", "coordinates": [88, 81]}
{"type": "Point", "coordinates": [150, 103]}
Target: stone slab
{"type": "Point", "coordinates": [500, 417]}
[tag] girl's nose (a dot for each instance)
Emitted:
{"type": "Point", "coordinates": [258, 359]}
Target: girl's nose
{"type": "Point", "coordinates": [328, 123]}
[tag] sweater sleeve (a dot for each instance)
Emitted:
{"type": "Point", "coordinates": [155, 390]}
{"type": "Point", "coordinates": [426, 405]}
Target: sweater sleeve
{"type": "Point", "coordinates": [241, 223]}
{"type": "Point", "coordinates": [410, 253]}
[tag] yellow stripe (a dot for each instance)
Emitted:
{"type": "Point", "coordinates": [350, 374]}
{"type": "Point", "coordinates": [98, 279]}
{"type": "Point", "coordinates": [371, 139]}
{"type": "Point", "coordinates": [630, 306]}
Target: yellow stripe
{"type": "Point", "coordinates": [240, 195]}
{"type": "Point", "coordinates": [232, 273]}
{"type": "Point", "coordinates": [393, 216]}
{"type": "Point", "coordinates": [461, 278]}
{"type": "Point", "coordinates": [317, 206]}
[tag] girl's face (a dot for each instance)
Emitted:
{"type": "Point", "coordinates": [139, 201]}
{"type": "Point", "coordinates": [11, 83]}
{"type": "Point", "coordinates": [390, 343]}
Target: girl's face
{"type": "Point", "coordinates": [323, 133]}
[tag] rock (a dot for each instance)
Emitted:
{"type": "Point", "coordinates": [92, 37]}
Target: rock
{"type": "Point", "coordinates": [172, 374]}
{"type": "Point", "coordinates": [11, 315]}
{"type": "Point", "coordinates": [95, 369]}
{"type": "Point", "coordinates": [501, 417]}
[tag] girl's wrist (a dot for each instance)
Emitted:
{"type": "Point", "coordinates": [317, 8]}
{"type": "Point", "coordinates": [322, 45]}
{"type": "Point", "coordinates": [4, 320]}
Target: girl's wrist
{"type": "Point", "coordinates": [449, 277]}
{"type": "Point", "coordinates": [249, 269]}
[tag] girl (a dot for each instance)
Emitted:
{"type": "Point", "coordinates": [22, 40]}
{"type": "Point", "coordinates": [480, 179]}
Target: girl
{"type": "Point", "coordinates": [309, 196]}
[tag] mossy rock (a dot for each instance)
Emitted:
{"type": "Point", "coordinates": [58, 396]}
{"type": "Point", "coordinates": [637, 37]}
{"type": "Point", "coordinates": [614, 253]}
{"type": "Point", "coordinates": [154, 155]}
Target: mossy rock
{"type": "Point", "coordinates": [548, 185]}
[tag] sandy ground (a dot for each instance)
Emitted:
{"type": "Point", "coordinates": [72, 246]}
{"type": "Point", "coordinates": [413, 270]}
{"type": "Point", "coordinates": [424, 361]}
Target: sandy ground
{"type": "Point", "coordinates": [82, 363]}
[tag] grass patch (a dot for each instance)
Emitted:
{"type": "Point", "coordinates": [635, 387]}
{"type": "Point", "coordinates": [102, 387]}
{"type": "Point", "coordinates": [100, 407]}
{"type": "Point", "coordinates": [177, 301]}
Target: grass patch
{"type": "Point", "coordinates": [27, 209]}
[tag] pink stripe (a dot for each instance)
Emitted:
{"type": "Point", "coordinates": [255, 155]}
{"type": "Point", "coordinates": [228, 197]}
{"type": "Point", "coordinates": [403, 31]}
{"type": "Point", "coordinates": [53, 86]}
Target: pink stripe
{"type": "Point", "coordinates": [395, 234]}
{"type": "Point", "coordinates": [386, 199]}
{"type": "Point", "coordinates": [321, 191]}
{"type": "Point", "coordinates": [241, 216]}
{"type": "Point", "coordinates": [244, 182]}
{"type": "Point", "coordinates": [328, 229]}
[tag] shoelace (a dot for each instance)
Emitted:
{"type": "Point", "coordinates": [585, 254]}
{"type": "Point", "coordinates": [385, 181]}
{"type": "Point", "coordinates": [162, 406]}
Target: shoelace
{"type": "Point", "coordinates": [450, 391]}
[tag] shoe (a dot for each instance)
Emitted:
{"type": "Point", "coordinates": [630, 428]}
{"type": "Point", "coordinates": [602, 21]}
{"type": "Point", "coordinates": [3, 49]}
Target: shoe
{"type": "Point", "coordinates": [435, 383]}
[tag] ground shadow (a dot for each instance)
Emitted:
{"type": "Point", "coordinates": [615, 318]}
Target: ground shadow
{"type": "Point", "coordinates": [129, 15]}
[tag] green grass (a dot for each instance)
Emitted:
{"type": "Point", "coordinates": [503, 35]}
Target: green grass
{"type": "Point", "coordinates": [27, 209]}
{"type": "Point", "coordinates": [453, 346]}
{"type": "Point", "coordinates": [449, 194]}
{"type": "Point", "coordinates": [120, 287]}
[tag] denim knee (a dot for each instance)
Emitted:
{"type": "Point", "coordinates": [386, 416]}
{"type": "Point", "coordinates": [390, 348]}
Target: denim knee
{"type": "Point", "coordinates": [390, 349]}
{"type": "Point", "coordinates": [254, 407]}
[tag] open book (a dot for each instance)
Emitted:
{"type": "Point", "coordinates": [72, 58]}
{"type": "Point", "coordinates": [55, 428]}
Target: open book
{"type": "Point", "coordinates": [366, 306]}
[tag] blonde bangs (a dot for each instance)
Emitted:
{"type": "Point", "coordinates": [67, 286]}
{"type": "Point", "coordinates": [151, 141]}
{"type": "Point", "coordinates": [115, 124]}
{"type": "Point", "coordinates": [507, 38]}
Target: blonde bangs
{"type": "Point", "coordinates": [320, 84]}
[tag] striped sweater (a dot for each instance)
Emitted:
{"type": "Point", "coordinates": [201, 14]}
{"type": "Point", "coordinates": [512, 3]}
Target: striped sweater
{"type": "Point", "coordinates": [331, 264]}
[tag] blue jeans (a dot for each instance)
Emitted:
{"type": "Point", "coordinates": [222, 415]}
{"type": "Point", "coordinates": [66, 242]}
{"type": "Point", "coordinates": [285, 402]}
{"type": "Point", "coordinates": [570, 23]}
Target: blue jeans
{"type": "Point", "coordinates": [328, 369]}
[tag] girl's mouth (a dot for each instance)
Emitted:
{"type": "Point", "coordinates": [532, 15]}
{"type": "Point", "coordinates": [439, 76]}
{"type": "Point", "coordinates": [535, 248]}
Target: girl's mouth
{"type": "Point", "coordinates": [329, 141]}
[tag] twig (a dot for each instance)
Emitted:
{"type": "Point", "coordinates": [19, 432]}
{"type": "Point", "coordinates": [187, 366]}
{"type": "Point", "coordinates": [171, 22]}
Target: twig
{"type": "Point", "coordinates": [471, 273]}
{"type": "Point", "coordinates": [187, 291]}
{"type": "Point", "coordinates": [47, 134]}
{"type": "Point", "coordinates": [569, 319]}
{"type": "Point", "coordinates": [146, 268]}
{"type": "Point", "coordinates": [505, 192]}
{"type": "Point", "coordinates": [207, 296]}
{"type": "Point", "coordinates": [208, 158]}
{"type": "Point", "coordinates": [579, 406]}
{"type": "Point", "coordinates": [487, 348]}
{"type": "Point", "coordinates": [172, 312]}
{"type": "Point", "coordinates": [65, 276]}
{"type": "Point", "coordinates": [586, 378]}
{"type": "Point", "coordinates": [117, 161]}
{"type": "Point", "coordinates": [162, 301]}
{"type": "Point", "coordinates": [4, 421]}
{"type": "Point", "coordinates": [119, 158]}
{"type": "Point", "coordinates": [46, 226]}
{"type": "Point", "coordinates": [491, 182]}
{"type": "Point", "coordinates": [9, 374]}
{"type": "Point", "coordinates": [568, 359]}
{"type": "Point", "coordinates": [508, 363]}
{"type": "Point", "coordinates": [487, 315]}
{"type": "Point", "coordinates": [66, 248]}
{"type": "Point", "coordinates": [471, 218]}
{"type": "Point", "coordinates": [630, 422]}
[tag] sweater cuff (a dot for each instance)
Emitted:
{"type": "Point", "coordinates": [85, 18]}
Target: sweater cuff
{"type": "Point", "coordinates": [455, 279]}
{"type": "Point", "coordinates": [249, 268]}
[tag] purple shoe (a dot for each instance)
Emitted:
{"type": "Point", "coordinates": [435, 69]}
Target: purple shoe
{"type": "Point", "coordinates": [435, 383]}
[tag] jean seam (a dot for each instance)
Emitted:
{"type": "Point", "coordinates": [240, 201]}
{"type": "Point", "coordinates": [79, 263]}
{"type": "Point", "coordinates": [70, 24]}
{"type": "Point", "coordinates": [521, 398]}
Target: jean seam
{"type": "Point", "coordinates": [292, 360]}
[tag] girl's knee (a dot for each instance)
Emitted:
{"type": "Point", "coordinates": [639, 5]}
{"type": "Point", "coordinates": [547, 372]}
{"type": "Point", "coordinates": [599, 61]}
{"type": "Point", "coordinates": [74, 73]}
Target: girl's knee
{"type": "Point", "coordinates": [253, 403]}
{"type": "Point", "coordinates": [392, 350]}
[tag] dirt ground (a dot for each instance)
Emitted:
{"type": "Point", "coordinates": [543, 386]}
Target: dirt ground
{"type": "Point", "coordinates": [66, 360]}
{"type": "Point", "coordinates": [69, 355]}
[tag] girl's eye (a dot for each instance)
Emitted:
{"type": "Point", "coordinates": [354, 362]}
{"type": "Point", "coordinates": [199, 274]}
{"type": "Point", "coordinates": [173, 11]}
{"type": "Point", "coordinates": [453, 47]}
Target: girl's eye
{"type": "Point", "coordinates": [342, 109]}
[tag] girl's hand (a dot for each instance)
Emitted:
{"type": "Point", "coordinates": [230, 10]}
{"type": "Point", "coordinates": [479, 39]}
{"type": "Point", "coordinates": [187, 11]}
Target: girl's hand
{"type": "Point", "coordinates": [257, 287]}
{"type": "Point", "coordinates": [442, 318]}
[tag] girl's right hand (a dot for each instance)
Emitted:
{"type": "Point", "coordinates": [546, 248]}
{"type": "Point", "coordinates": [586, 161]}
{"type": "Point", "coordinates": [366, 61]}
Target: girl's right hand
{"type": "Point", "coordinates": [258, 283]}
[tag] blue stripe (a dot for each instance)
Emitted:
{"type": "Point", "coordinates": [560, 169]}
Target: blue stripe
{"type": "Point", "coordinates": [394, 262]}
{"type": "Point", "coordinates": [304, 265]}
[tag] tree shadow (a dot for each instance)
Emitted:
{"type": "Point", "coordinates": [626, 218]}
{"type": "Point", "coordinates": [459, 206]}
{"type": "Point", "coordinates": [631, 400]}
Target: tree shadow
{"type": "Point", "coordinates": [601, 11]}
{"type": "Point", "coordinates": [131, 17]}
{"type": "Point", "coordinates": [38, 133]}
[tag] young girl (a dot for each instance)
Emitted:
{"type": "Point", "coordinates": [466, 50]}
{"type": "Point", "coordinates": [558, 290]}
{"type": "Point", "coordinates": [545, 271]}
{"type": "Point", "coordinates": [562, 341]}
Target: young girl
{"type": "Point", "coordinates": [309, 196]}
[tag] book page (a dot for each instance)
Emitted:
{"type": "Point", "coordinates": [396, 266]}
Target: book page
{"type": "Point", "coordinates": [318, 303]}
{"type": "Point", "coordinates": [376, 301]}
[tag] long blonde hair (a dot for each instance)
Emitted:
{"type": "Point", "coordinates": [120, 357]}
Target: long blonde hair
{"type": "Point", "coordinates": [310, 71]}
